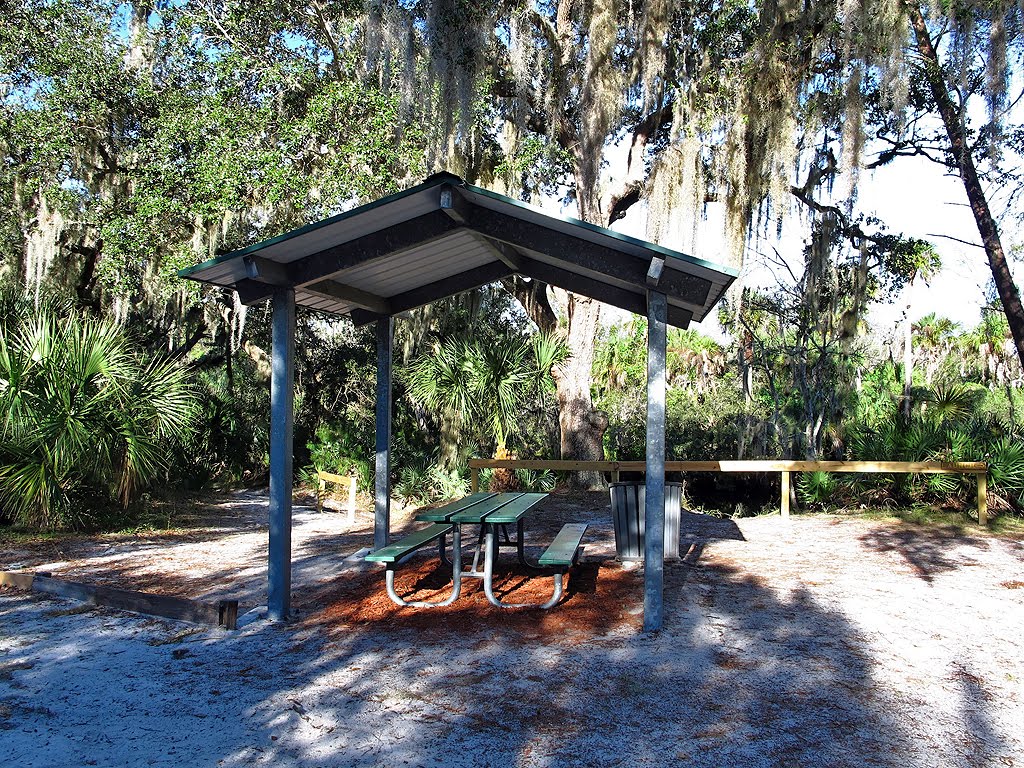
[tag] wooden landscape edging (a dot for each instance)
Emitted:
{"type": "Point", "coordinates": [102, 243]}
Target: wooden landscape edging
{"type": "Point", "coordinates": [782, 466]}
{"type": "Point", "coordinates": [222, 613]}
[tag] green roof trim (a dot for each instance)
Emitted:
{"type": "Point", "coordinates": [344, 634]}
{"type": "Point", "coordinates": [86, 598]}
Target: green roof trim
{"type": "Point", "coordinates": [431, 181]}
{"type": "Point", "coordinates": [440, 179]}
{"type": "Point", "coordinates": [604, 231]}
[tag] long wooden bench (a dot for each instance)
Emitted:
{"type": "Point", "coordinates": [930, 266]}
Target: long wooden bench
{"type": "Point", "coordinates": [561, 555]}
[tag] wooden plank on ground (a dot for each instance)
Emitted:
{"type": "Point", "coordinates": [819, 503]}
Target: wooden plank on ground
{"type": "Point", "coordinates": [17, 579]}
{"type": "Point", "coordinates": [222, 613]}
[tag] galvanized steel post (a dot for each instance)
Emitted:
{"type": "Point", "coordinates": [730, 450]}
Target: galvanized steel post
{"type": "Point", "coordinates": [654, 491]}
{"type": "Point", "coordinates": [282, 396]}
{"type": "Point", "coordinates": [382, 483]}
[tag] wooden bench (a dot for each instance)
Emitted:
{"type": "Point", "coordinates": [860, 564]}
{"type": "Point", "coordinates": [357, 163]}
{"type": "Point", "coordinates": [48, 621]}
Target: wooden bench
{"type": "Point", "coordinates": [395, 554]}
{"type": "Point", "coordinates": [561, 555]}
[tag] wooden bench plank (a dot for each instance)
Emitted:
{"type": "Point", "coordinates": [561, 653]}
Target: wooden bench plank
{"type": "Point", "coordinates": [478, 512]}
{"type": "Point", "coordinates": [444, 514]}
{"type": "Point", "coordinates": [563, 549]}
{"type": "Point", "coordinates": [394, 552]}
{"type": "Point", "coordinates": [515, 509]}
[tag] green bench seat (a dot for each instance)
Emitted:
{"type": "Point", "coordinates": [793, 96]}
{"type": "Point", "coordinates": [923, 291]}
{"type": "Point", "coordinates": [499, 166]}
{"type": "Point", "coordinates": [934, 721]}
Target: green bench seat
{"type": "Point", "coordinates": [392, 553]}
{"type": "Point", "coordinates": [563, 550]}
{"type": "Point", "coordinates": [560, 556]}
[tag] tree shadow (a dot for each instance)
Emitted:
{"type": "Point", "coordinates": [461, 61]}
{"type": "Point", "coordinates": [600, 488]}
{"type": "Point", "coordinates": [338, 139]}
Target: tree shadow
{"type": "Point", "coordinates": [694, 526]}
{"type": "Point", "coordinates": [742, 674]}
{"type": "Point", "coordinates": [928, 550]}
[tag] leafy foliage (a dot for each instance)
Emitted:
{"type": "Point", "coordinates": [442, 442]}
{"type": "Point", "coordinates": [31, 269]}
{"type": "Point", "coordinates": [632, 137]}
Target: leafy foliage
{"type": "Point", "coordinates": [468, 382]}
{"type": "Point", "coordinates": [88, 423]}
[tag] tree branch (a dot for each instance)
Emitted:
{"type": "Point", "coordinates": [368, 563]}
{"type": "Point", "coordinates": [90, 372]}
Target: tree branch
{"type": "Point", "coordinates": [533, 296]}
{"type": "Point", "coordinates": [957, 239]}
{"type": "Point", "coordinates": [632, 188]}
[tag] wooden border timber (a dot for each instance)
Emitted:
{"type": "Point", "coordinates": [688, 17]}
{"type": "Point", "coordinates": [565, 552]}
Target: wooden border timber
{"type": "Point", "coordinates": [782, 466]}
{"type": "Point", "coordinates": [323, 478]}
{"type": "Point", "coordinates": [222, 613]}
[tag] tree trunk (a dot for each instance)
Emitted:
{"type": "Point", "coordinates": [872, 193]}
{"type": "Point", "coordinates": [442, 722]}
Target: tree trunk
{"type": "Point", "coordinates": [582, 428]}
{"type": "Point", "coordinates": [951, 118]}
{"type": "Point", "coordinates": [908, 351]}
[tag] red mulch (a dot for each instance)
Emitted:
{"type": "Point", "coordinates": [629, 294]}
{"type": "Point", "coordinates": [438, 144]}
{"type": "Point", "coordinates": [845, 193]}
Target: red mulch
{"type": "Point", "coordinates": [600, 598]}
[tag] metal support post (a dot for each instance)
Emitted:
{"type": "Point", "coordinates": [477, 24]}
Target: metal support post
{"type": "Point", "coordinates": [382, 483]}
{"type": "Point", "coordinates": [654, 512]}
{"type": "Point", "coordinates": [282, 398]}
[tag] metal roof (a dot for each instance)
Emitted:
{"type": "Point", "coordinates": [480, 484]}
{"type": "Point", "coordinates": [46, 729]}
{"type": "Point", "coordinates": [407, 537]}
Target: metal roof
{"type": "Point", "coordinates": [444, 237]}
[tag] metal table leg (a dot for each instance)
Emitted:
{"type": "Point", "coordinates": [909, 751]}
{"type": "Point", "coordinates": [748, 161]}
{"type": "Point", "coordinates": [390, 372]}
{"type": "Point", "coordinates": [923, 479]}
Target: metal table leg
{"type": "Point", "coordinates": [520, 551]}
{"type": "Point", "coordinates": [389, 579]}
{"type": "Point", "coordinates": [490, 549]}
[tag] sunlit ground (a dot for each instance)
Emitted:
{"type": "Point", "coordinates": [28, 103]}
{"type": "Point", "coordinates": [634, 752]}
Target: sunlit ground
{"type": "Point", "coordinates": [830, 641]}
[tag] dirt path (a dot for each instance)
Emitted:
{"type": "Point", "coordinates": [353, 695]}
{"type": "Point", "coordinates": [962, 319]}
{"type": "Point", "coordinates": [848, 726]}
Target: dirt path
{"type": "Point", "coordinates": [824, 642]}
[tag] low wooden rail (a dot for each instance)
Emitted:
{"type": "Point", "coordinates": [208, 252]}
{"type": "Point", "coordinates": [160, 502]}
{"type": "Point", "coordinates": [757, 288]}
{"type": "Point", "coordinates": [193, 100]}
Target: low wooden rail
{"type": "Point", "coordinates": [324, 478]}
{"type": "Point", "coordinates": [222, 613]}
{"type": "Point", "coordinates": [783, 466]}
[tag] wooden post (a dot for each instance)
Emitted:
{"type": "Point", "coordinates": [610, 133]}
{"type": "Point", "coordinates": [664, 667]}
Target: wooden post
{"type": "Point", "coordinates": [282, 395]}
{"type": "Point", "coordinates": [474, 479]}
{"type": "Point", "coordinates": [785, 495]}
{"type": "Point", "coordinates": [654, 506]}
{"type": "Point", "coordinates": [382, 482]}
{"type": "Point", "coordinates": [982, 498]}
{"type": "Point", "coordinates": [615, 476]}
{"type": "Point", "coordinates": [352, 487]}
{"type": "Point", "coordinates": [320, 492]}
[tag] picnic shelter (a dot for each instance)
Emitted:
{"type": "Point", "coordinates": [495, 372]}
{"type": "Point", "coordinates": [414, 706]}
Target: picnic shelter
{"type": "Point", "coordinates": [435, 240]}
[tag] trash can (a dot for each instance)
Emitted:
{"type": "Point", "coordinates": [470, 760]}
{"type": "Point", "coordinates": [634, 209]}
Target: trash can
{"type": "Point", "coordinates": [628, 516]}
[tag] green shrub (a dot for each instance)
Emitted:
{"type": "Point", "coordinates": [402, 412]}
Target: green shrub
{"type": "Point", "coordinates": [334, 450]}
{"type": "Point", "coordinates": [816, 487]}
{"type": "Point", "coordinates": [1006, 468]}
{"type": "Point", "coordinates": [536, 481]}
{"type": "Point", "coordinates": [88, 422]}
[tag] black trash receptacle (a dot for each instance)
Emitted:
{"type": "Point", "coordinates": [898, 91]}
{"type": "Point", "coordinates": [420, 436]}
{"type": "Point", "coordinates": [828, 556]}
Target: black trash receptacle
{"type": "Point", "coordinates": [628, 515]}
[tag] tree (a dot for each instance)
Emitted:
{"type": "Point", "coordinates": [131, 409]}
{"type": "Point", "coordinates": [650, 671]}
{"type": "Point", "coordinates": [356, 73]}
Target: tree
{"type": "Point", "coordinates": [532, 95]}
{"type": "Point", "coordinates": [964, 55]}
{"type": "Point", "coordinates": [467, 382]}
{"type": "Point", "coordinates": [140, 138]}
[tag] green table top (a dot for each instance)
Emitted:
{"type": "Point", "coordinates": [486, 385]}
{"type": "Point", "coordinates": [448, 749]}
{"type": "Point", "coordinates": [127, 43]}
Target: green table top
{"type": "Point", "coordinates": [514, 509]}
{"type": "Point", "coordinates": [444, 514]}
{"type": "Point", "coordinates": [489, 507]}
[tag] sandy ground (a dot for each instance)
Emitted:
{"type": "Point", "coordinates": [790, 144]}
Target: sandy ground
{"type": "Point", "coordinates": [821, 642]}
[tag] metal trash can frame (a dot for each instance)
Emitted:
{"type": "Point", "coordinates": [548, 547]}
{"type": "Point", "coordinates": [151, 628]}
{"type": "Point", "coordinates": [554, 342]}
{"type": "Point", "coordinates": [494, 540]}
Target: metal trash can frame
{"type": "Point", "coordinates": [628, 504]}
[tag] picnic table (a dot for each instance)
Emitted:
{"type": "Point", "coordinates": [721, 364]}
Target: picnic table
{"type": "Point", "coordinates": [493, 513]}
